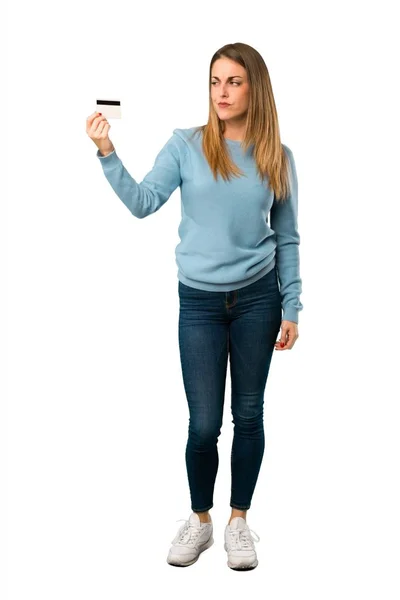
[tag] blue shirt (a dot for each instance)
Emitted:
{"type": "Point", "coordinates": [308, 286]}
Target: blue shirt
{"type": "Point", "coordinates": [226, 241]}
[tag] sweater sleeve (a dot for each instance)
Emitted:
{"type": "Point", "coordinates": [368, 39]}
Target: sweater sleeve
{"type": "Point", "coordinates": [284, 224]}
{"type": "Point", "coordinates": [148, 196]}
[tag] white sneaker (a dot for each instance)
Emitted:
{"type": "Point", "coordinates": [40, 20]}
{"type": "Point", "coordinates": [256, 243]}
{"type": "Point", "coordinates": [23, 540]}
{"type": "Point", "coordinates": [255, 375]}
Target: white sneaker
{"type": "Point", "coordinates": [191, 540]}
{"type": "Point", "coordinates": [239, 545]}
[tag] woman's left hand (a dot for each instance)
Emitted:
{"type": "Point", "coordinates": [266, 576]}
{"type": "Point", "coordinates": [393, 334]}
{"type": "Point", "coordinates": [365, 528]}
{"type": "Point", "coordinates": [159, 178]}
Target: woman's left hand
{"type": "Point", "coordinates": [289, 334]}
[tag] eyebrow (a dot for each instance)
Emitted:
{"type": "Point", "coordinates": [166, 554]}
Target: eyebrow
{"type": "Point", "coordinates": [232, 77]}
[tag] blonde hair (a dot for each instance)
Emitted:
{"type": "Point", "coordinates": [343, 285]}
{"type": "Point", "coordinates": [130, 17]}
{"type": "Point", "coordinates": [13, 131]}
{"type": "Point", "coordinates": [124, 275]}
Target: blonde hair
{"type": "Point", "coordinates": [262, 127]}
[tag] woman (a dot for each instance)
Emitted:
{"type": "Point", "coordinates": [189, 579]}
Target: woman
{"type": "Point", "coordinates": [236, 276]}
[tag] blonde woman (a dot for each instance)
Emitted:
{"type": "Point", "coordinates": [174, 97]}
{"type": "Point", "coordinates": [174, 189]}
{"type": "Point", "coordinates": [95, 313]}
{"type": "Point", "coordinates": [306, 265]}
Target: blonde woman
{"type": "Point", "coordinates": [238, 278]}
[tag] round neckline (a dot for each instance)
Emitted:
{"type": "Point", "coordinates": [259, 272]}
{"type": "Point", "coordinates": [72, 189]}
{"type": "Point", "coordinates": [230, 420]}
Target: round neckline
{"type": "Point", "coordinates": [234, 141]}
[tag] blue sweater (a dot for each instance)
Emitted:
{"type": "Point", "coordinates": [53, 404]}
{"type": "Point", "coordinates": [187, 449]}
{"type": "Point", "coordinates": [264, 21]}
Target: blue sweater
{"type": "Point", "coordinates": [226, 241]}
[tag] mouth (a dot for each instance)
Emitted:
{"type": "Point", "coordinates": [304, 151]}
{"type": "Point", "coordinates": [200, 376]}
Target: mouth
{"type": "Point", "coordinates": [223, 104]}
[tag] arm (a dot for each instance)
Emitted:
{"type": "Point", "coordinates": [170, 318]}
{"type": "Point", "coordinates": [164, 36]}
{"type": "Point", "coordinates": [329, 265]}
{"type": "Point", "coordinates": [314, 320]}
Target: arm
{"type": "Point", "coordinates": [284, 224]}
{"type": "Point", "coordinates": [146, 197]}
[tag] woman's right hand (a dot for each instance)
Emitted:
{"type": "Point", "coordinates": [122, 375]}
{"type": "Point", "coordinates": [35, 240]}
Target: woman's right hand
{"type": "Point", "coordinates": [97, 128]}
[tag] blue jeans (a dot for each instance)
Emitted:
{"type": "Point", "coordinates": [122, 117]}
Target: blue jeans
{"type": "Point", "coordinates": [243, 324]}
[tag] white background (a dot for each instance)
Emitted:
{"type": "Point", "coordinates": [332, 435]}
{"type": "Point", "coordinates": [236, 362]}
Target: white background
{"type": "Point", "coordinates": [97, 415]}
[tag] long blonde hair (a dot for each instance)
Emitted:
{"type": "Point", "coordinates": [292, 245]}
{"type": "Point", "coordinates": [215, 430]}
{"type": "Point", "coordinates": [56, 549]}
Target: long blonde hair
{"type": "Point", "coordinates": [262, 127]}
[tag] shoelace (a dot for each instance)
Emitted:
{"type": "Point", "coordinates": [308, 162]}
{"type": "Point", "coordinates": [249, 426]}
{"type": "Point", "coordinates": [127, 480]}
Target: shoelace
{"type": "Point", "coordinates": [241, 539]}
{"type": "Point", "coordinates": [187, 534]}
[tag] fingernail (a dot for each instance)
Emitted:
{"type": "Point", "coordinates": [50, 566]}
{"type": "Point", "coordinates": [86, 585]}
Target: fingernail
{"type": "Point", "coordinates": [100, 113]}
{"type": "Point", "coordinates": [282, 344]}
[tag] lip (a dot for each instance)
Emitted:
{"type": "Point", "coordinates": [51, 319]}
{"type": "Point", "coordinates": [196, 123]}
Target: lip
{"type": "Point", "coordinates": [223, 104]}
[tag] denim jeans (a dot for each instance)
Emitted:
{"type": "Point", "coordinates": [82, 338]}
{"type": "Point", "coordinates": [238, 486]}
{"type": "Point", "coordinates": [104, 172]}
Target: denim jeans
{"type": "Point", "coordinates": [243, 324]}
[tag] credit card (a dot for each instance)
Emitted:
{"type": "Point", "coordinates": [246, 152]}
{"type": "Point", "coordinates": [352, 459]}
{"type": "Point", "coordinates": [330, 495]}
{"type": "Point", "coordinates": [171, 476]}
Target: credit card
{"type": "Point", "coordinates": [111, 109]}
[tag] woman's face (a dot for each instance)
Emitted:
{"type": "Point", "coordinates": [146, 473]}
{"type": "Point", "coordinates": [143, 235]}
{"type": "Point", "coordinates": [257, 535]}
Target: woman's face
{"type": "Point", "coordinates": [229, 84]}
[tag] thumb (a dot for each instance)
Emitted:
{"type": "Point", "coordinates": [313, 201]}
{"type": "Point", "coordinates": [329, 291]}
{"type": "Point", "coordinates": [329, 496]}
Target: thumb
{"type": "Point", "coordinates": [283, 338]}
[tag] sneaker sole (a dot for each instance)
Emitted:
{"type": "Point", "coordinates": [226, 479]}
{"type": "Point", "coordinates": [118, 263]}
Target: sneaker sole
{"type": "Point", "coordinates": [174, 562]}
{"type": "Point", "coordinates": [244, 568]}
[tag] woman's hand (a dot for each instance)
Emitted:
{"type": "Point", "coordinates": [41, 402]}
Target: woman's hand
{"type": "Point", "coordinates": [289, 334]}
{"type": "Point", "coordinates": [97, 128]}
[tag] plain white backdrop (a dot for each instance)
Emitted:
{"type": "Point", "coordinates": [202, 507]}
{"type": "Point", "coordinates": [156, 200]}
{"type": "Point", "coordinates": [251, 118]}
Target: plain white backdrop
{"type": "Point", "coordinates": [96, 415]}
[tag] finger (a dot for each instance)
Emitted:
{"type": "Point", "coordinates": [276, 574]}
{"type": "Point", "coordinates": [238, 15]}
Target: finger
{"type": "Point", "coordinates": [98, 125]}
{"type": "Point", "coordinates": [90, 121]}
{"type": "Point", "coordinates": [103, 129]}
{"type": "Point", "coordinates": [291, 339]}
{"type": "Point", "coordinates": [91, 118]}
{"type": "Point", "coordinates": [280, 344]}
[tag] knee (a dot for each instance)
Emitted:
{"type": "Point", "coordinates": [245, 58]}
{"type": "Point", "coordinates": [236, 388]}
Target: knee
{"type": "Point", "coordinates": [204, 435]}
{"type": "Point", "coordinates": [251, 424]}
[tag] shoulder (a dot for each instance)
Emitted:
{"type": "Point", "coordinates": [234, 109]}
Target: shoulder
{"type": "Point", "coordinates": [290, 157]}
{"type": "Point", "coordinates": [186, 139]}
{"type": "Point", "coordinates": [188, 134]}
{"type": "Point", "coordinates": [288, 151]}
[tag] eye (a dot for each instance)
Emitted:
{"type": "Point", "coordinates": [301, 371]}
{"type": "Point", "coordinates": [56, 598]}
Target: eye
{"type": "Point", "coordinates": [234, 82]}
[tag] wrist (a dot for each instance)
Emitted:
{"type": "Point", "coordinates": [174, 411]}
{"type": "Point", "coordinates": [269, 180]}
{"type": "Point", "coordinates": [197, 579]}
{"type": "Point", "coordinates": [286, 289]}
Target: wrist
{"type": "Point", "coordinates": [106, 151]}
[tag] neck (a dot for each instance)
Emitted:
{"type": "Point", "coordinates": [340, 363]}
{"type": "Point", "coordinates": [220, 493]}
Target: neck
{"type": "Point", "coordinates": [233, 132]}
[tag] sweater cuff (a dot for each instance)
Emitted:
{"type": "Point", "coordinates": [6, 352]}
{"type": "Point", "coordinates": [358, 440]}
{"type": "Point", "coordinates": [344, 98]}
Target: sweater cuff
{"type": "Point", "coordinates": [290, 314]}
{"type": "Point", "coordinates": [107, 159]}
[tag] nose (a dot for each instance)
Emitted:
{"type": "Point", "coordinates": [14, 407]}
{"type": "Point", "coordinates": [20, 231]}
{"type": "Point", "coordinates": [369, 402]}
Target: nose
{"type": "Point", "coordinates": [222, 92]}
